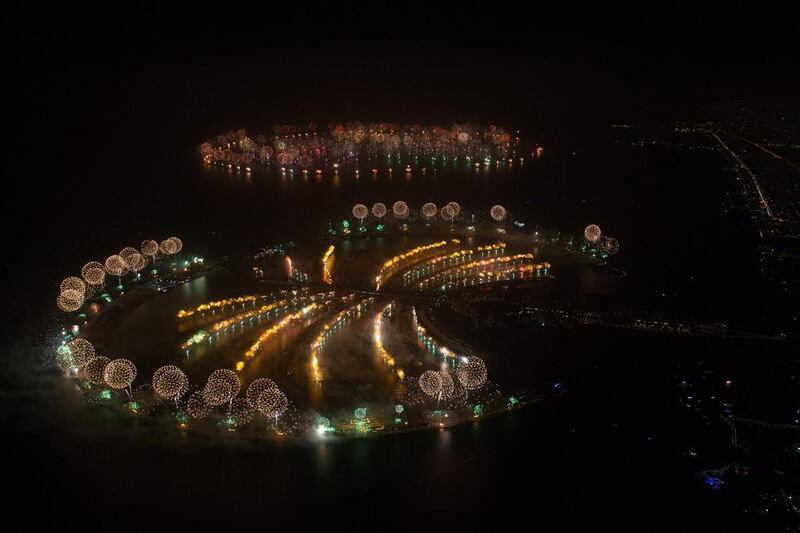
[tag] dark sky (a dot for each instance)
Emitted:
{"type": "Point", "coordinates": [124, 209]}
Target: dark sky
{"type": "Point", "coordinates": [458, 59]}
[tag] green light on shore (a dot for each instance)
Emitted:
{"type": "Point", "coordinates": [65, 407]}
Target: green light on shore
{"type": "Point", "coordinates": [513, 400]}
{"type": "Point", "coordinates": [379, 227]}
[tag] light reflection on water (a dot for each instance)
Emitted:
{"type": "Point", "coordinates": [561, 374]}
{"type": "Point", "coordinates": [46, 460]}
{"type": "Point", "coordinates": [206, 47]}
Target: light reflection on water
{"type": "Point", "coordinates": [196, 291]}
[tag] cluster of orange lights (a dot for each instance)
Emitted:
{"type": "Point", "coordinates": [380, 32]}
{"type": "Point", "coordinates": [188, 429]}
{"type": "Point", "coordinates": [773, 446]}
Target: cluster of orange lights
{"type": "Point", "coordinates": [327, 265]}
{"type": "Point", "coordinates": [479, 268]}
{"type": "Point", "coordinates": [461, 253]}
{"type": "Point", "coordinates": [455, 257]}
{"type": "Point", "coordinates": [376, 334]}
{"type": "Point", "coordinates": [289, 268]}
{"type": "Point", "coordinates": [271, 332]}
{"type": "Point", "coordinates": [222, 324]}
{"type": "Point", "coordinates": [395, 263]}
{"type": "Point", "coordinates": [503, 273]}
{"type": "Point", "coordinates": [185, 313]}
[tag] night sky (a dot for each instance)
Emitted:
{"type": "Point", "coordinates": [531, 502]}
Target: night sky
{"type": "Point", "coordinates": [402, 59]}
